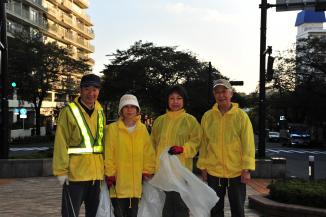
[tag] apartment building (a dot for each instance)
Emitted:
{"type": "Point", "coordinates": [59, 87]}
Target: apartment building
{"type": "Point", "coordinates": [63, 21]}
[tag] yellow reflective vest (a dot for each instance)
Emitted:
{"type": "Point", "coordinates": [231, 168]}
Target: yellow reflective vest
{"type": "Point", "coordinates": [228, 143]}
{"type": "Point", "coordinates": [177, 128]}
{"type": "Point", "coordinates": [74, 154]}
{"type": "Point", "coordinates": [127, 156]}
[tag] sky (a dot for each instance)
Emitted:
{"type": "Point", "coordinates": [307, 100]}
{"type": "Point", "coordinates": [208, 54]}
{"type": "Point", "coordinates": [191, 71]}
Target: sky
{"type": "Point", "coordinates": [224, 32]}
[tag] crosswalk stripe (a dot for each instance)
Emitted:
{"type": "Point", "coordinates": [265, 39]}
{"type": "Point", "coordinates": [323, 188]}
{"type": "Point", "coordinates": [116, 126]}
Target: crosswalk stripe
{"type": "Point", "coordinates": [30, 149]}
{"type": "Point", "coordinates": [295, 151]}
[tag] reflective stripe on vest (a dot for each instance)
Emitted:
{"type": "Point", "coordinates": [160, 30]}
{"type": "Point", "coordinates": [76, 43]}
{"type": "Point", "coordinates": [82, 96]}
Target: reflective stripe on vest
{"type": "Point", "coordinates": [89, 144]}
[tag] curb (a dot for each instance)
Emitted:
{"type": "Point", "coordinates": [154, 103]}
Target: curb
{"type": "Point", "coordinates": [275, 209]}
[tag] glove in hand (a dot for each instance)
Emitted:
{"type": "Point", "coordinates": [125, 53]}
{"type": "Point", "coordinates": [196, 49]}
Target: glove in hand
{"type": "Point", "coordinates": [175, 150]}
{"type": "Point", "coordinates": [110, 180]}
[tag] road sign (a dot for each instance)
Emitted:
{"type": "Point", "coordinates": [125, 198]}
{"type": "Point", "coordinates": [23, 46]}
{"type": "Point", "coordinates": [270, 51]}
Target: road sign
{"type": "Point", "coordinates": [293, 5]}
{"type": "Point", "coordinates": [16, 111]}
{"type": "Point", "coordinates": [23, 113]}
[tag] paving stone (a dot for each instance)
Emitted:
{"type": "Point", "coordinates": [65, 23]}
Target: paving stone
{"type": "Point", "coordinates": [41, 197]}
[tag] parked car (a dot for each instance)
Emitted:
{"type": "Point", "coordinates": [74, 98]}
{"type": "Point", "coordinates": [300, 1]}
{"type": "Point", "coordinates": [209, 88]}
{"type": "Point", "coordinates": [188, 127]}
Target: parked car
{"type": "Point", "coordinates": [299, 138]}
{"type": "Point", "coordinates": [273, 136]}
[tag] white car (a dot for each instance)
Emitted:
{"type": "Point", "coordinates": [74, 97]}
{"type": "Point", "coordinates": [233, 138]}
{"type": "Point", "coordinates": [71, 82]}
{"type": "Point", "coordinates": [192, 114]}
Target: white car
{"type": "Point", "coordinates": [273, 136]}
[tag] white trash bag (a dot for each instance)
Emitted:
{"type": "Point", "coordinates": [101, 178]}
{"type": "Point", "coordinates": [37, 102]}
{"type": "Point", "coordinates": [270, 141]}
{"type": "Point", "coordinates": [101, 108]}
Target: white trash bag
{"type": "Point", "coordinates": [152, 201]}
{"type": "Point", "coordinates": [105, 208]}
{"type": "Point", "coordinates": [196, 194]}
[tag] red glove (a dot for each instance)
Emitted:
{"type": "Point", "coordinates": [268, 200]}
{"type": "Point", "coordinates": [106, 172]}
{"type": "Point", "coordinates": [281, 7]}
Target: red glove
{"type": "Point", "coordinates": [110, 180]}
{"type": "Point", "coordinates": [175, 150]}
{"type": "Point", "coordinates": [147, 176]}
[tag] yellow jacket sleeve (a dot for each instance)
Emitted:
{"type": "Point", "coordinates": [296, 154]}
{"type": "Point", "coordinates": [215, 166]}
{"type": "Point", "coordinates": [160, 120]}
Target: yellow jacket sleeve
{"type": "Point", "coordinates": [202, 150]}
{"type": "Point", "coordinates": [191, 146]}
{"type": "Point", "coordinates": [61, 144]}
{"type": "Point", "coordinates": [110, 141]}
{"type": "Point", "coordinates": [248, 145]}
{"type": "Point", "coordinates": [149, 155]}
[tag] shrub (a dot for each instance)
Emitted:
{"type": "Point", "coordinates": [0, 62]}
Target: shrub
{"type": "Point", "coordinates": [298, 191]}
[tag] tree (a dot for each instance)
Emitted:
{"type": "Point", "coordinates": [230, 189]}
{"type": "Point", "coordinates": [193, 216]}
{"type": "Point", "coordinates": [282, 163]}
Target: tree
{"type": "Point", "coordinates": [147, 71]}
{"type": "Point", "coordinates": [299, 85]}
{"type": "Point", "coordinates": [38, 67]}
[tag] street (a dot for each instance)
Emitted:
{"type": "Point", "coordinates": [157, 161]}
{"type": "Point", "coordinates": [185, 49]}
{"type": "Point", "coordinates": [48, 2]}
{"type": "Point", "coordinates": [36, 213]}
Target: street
{"type": "Point", "coordinates": [297, 159]}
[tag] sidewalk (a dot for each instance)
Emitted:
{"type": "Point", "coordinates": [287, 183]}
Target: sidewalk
{"type": "Point", "coordinates": [41, 196]}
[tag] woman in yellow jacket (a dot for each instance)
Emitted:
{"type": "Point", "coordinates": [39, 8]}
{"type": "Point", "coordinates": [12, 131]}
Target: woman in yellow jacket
{"type": "Point", "coordinates": [181, 133]}
{"type": "Point", "coordinates": [129, 158]}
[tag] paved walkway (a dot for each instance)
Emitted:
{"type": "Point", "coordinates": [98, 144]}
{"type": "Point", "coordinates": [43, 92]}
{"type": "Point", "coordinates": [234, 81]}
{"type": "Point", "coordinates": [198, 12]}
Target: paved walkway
{"type": "Point", "coordinates": [41, 197]}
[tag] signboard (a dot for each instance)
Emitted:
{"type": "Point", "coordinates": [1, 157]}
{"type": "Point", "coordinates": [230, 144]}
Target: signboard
{"type": "Point", "coordinates": [23, 113]}
{"type": "Point", "coordinates": [16, 111]}
{"type": "Point", "coordinates": [293, 5]}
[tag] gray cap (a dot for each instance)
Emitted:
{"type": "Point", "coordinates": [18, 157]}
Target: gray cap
{"type": "Point", "coordinates": [222, 82]}
{"type": "Point", "coordinates": [90, 80]}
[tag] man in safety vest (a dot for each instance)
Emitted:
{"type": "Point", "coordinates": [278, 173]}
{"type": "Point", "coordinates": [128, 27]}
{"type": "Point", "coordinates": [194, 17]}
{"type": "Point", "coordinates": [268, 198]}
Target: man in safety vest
{"type": "Point", "coordinates": [78, 150]}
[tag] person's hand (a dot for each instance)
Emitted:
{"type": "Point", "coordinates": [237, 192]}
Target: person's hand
{"type": "Point", "coordinates": [63, 180]}
{"type": "Point", "coordinates": [146, 176]}
{"type": "Point", "coordinates": [245, 176]}
{"type": "Point", "coordinates": [204, 175]}
{"type": "Point", "coordinates": [175, 150]}
{"type": "Point", "coordinates": [110, 180]}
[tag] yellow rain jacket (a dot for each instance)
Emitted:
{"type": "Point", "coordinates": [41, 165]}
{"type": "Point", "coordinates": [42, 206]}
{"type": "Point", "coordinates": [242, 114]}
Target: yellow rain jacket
{"type": "Point", "coordinates": [228, 143]}
{"type": "Point", "coordinates": [177, 128]}
{"type": "Point", "coordinates": [127, 157]}
{"type": "Point", "coordinates": [78, 167]}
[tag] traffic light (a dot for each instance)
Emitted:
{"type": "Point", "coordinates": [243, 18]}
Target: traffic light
{"type": "Point", "coordinates": [270, 70]}
{"type": "Point", "coordinates": [13, 84]}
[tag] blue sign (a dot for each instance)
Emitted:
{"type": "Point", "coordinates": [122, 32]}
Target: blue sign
{"type": "Point", "coordinates": [16, 111]}
{"type": "Point", "coordinates": [23, 111]}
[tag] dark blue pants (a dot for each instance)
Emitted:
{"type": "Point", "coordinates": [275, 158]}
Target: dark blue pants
{"type": "Point", "coordinates": [125, 207]}
{"type": "Point", "coordinates": [174, 205]}
{"type": "Point", "coordinates": [76, 193]}
{"type": "Point", "coordinates": [236, 193]}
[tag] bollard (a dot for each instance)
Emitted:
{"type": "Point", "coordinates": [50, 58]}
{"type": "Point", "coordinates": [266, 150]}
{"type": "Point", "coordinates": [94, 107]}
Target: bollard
{"type": "Point", "coordinates": [311, 168]}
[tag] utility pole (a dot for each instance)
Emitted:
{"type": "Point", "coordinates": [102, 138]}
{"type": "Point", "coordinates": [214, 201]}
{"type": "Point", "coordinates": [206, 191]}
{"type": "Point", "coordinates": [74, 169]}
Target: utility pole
{"type": "Point", "coordinates": [262, 97]}
{"type": "Point", "coordinates": [210, 84]}
{"type": "Point", "coordinates": [4, 132]}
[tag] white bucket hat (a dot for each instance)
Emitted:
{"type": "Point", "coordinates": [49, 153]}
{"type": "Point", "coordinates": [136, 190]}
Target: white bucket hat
{"type": "Point", "coordinates": [128, 99]}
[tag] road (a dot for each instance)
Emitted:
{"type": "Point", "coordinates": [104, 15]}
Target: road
{"type": "Point", "coordinates": [297, 160]}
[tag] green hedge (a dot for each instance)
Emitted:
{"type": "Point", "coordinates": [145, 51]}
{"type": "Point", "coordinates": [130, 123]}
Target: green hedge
{"type": "Point", "coordinates": [298, 191]}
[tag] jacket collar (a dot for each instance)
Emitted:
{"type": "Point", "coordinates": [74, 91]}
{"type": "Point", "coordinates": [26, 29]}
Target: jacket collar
{"type": "Point", "coordinates": [175, 114]}
{"type": "Point", "coordinates": [96, 107]}
{"type": "Point", "coordinates": [234, 108]}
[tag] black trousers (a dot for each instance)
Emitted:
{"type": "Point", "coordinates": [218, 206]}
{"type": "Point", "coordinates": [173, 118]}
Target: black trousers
{"type": "Point", "coordinates": [125, 207]}
{"type": "Point", "coordinates": [174, 205]}
{"type": "Point", "coordinates": [76, 193]}
{"type": "Point", "coordinates": [236, 193]}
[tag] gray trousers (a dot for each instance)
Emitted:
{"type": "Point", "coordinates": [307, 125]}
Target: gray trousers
{"type": "Point", "coordinates": [236, 192]}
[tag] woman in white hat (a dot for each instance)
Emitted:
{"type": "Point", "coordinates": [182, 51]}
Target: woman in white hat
{"type": "Point", "coordinates": [129, 158]}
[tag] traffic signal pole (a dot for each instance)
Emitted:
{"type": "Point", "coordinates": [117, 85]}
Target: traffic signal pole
{"type": "Point", "coordinates": [4, 131]}
{"type": "Point", "coordinates": [262, 97]}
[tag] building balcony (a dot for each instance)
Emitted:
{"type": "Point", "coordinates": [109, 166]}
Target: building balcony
{"type": "Point", "coordinates": [37, 4]}
{"type": "Point", "coordinates": [24, 15]}
{"type": "Point", "coordinates": [66, 5]}
{"type": "Point", "coordinates": [82, 3]}
{"type": "Point", "coordinates": [85, 30]}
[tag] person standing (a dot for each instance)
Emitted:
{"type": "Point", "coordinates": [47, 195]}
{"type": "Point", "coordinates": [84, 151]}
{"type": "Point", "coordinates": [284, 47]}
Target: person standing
{"type": "Point", "coordinates": [181, 133]}
{"type": "Point", "coordinates": [227, 153]}
{"type": "Point", "coordinates": [78, 150]}
{"type": "Point", "coordinates": [129, 158]}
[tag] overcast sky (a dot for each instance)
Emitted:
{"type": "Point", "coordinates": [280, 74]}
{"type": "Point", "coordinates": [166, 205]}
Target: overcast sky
{"type": "Point", "coordinates": [224, 32]}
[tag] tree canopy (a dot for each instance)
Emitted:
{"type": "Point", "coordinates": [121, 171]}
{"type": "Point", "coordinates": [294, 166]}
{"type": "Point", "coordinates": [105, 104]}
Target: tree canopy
{"type": "Point", "coordinates": [39, 67]}
{"type": "Point", "coordinates": [147, 71]}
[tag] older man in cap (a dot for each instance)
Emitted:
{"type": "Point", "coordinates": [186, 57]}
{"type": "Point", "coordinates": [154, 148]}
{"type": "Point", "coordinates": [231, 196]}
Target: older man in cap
{"type": "Point", "coordinates": [78, 150]}
{"type": "Point", "coordinates": [227, 153]}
